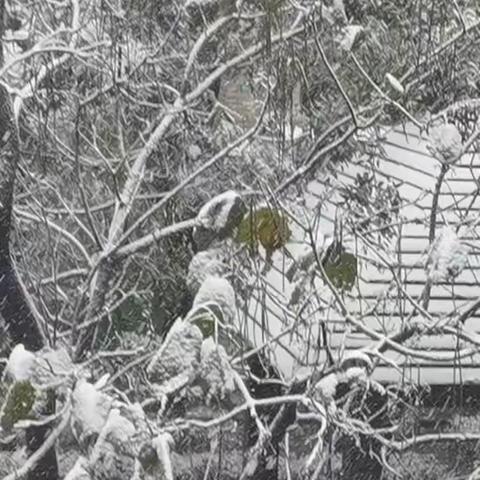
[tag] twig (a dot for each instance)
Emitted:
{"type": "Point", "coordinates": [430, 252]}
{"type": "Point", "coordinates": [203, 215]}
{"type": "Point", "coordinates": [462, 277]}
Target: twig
{"type": "Point", "coordinates": [334, 76]}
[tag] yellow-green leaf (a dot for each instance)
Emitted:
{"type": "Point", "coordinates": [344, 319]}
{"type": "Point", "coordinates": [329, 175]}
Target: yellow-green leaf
{"type": "Point", "coordinates": [265, 226]}
{"type": "Point", "coordinates": [18, 404]}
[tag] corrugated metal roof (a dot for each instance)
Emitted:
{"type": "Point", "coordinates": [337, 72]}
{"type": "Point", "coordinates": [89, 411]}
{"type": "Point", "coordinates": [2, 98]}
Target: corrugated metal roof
{"type": "Point", "coordinates": [407, 163]}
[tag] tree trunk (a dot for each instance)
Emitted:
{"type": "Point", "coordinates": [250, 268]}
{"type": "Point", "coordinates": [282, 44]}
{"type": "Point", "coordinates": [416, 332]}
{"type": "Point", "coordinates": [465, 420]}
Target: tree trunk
{"type": "Point", "coordinates": [14, 307]}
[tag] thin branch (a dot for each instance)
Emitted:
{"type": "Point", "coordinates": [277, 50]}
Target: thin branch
{"type": "Point", "coordinates": [382, 93]}
{"type": "Point", "coordinates": [403, 445]}
{"type": "Point", "coordinates": [81, 186]}
{"type": "Point", "coordinates": [158, 234]}
{"type": "Point", "coordinates": [47, 445]}
{"type": "Point", "coordinates": [330, 69]}
{"type": "Point", "coordinates": [222, 154]}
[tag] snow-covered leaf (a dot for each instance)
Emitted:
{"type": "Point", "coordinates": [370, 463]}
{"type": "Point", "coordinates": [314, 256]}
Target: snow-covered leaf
{"type": "Point", "coordinates": [327, 386]}
{"type": "Point", "coordinates": [179, 353]}
{"type": "Point", "coordinates": [470, 16]}
{"type": "Point", "coordinates": [395, 83]}
{"type": "Point", "coordinates": [356, 358]}
{"type": "Point", "coordinates": [337, 13]}
{"type": "Point", "coordinates": [120, 433]}
{"type": "Point", "coordinates": [102, 381]}
{"type": "Point", "coordinates": [27, 380]}
{"type": "Point", "coordinates": [356, 375]}
{"type": "Point", "coordinates": [217, 292]}
{"type": "Point", "coordinates": [113, 456]}
{"type": "Point", "coordinates": [216, 370]}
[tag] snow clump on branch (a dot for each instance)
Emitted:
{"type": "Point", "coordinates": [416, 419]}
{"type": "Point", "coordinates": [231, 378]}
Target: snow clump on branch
{"type": "Point", "coordinates": [90, 410]}
{"type": "Point", "coordinates": [204, 264]}
{"type": "Point", "coordinates": [446, 143]}
{"type": "Point", "coordinates": [21, 364]}
{"type": "Point", "coordinates": [447, 258]}
{"type": "Point", "coordinates": [217, 218]}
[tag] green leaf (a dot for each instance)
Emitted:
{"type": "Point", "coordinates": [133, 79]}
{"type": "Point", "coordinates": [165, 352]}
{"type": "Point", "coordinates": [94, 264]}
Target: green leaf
{"type": "Point", "coordinates": [267, 227]}
{"type": "Point", "coordinates": [343, 271]}
{"type": "Point", "coordinates": [18, 404]}
{"type": "Point", "coordinates": [205, 321]}
{"type": "Point", "coordinates": [132, 315]}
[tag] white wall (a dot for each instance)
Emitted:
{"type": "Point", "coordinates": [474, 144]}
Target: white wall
{"type": "Point", "coordinates": [414, 171]}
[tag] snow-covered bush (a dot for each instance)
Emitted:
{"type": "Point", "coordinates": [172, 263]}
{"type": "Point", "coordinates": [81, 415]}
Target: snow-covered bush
{"type": "Point", "coordinates": [125, 445]}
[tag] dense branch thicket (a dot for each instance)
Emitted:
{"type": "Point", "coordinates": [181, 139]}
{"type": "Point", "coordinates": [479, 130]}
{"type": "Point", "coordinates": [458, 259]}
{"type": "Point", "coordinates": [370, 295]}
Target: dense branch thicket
{"type": "Point", "coordinates": [155, 159]}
